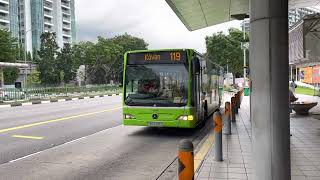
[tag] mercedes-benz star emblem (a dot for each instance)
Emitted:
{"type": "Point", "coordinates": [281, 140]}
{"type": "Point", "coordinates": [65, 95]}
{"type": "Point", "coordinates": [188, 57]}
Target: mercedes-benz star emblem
{"type": "Point", "coordinates": [154, 116]}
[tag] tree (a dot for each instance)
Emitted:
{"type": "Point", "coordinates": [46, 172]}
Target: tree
{"type": "Point", "coordinates": [10, 75]}
{"type": "Point", "coordinates": [102, 57]}
{"type": "Point", "coordinates": [128, 43]}
{"type": "Point", "coordinates": [34, 78]}
{"type": "Point", "coordinates": [83, 54]}
{"type": "Point", "coordinates": [103, 60]}
{"type": "Point", "coordinates": [225, 50]}
{"type": "Point", "coordinates": [66, 64]}
{"type": "Point", "coordinates": [9, 52]}
{"type": "Point", "coordinates": [46, 62]}
{"type": "Point", "coordinates": [7, 47]}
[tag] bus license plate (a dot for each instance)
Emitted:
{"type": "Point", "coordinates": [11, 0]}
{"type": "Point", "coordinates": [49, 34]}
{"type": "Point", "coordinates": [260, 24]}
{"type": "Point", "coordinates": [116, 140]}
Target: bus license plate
{"type": "Point", "coordinates": [155, 124]}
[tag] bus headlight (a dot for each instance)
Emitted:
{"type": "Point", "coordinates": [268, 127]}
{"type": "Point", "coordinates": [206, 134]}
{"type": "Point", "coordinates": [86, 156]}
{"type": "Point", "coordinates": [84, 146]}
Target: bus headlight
{"type": "Point", "coordinates": [186, 118]}
{"type": "Point", "coordinates": [128, 116]}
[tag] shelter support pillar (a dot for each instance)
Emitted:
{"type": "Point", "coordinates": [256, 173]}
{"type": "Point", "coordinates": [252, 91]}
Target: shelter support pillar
{"type": "Point", "coordinates": [297, 74]}
{"type": "Point", "coordinates": [269, 98]}
{"type": "Point", "coordinates": [1, 78]}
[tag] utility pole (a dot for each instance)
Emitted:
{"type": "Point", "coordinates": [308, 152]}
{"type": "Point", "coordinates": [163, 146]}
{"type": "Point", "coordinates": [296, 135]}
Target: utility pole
{"type": "Point", "coordinates": [25, 58]}
{"type": "Point", "coordinates": [244, 56]}
{"type": "Point", "coordinates": [227, 66]}
{"type": "Point", "coordinates": [1, 78]}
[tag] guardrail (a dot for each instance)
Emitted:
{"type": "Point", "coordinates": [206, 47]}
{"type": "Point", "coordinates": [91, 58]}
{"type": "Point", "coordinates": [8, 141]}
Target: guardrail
{"type": "Point", "coordinates": [14, 94]}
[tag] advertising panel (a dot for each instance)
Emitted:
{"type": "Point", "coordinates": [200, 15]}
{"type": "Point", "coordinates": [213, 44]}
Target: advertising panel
{"type": "Point", "coordinates": [306, 74]}
{"type": "Point", "coordinates": [316, 74]}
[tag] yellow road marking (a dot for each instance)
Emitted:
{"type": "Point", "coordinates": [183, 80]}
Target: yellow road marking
{"type": "Point", "coordinates": [55, 120]}
{"type": "Point", "coordinates": [204, 149]}
{"type": "Point", "coordinates": [28, 137]}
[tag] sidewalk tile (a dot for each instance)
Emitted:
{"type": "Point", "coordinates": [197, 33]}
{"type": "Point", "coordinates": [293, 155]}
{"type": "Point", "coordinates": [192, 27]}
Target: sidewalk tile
{"type": "Point", "coordinates": [237, 148]}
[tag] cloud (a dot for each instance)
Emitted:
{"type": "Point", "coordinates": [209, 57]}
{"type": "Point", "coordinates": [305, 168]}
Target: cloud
{"type": "Point", "coordinates": [152, 20]}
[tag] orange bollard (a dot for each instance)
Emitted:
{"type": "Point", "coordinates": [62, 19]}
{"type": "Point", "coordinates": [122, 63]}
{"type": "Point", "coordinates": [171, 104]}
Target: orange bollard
{"type": "Point", "coordinates": [186, 161]}
{"type": "Point", "coordinates": [217, 136]}
{"type": "Point", "coordinates": [227, 115]}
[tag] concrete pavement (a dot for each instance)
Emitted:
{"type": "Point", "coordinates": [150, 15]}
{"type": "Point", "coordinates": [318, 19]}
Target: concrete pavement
{"type": "Point", "coordinates": [85, 140]}
{"type": "Point", "coordinates": [51, 123]}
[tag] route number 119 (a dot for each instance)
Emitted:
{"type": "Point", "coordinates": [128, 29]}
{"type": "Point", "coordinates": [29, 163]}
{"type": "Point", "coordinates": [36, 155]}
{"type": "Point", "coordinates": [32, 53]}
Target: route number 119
{"type": "Point", "coordinates": [175, 56]}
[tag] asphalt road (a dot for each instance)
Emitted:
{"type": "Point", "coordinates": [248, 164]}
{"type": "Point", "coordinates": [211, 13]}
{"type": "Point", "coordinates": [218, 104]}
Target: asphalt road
{"type": "Point", "coordinates": [84, 140]}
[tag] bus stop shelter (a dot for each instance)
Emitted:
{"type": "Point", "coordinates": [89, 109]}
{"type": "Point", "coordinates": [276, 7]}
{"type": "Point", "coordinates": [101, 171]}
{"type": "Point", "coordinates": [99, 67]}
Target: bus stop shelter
{"type": "Point", "coordinates": [269, 69]}
{"type": "Point", "coordinates": [4, 65]}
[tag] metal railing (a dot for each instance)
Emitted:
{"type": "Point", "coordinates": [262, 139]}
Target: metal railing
{"type": "Point", "coordinates": [47, 93]}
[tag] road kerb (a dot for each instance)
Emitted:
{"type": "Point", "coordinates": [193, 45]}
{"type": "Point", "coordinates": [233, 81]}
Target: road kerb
{"type": "Point", "coordinates": [45, 102]}
{"type": "Point", "coordinates": [51, 101]}
{"type": "Point", "coordinates": [27, 104]}
{"type": "Point", "coordinates": [5, 106]}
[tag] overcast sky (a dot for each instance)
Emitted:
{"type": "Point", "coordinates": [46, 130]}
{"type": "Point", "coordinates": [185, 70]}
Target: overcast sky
{"type": "Point", "coordinates": [152, 20]}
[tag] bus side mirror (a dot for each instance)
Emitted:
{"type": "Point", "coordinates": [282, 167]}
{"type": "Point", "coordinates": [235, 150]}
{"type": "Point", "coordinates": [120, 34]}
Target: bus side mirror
{"type": "Point", "coordinates": [196, 65]}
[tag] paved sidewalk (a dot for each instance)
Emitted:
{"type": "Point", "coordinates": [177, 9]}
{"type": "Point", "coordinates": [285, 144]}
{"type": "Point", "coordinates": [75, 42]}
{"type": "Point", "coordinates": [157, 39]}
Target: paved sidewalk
{"type": "Point", "coordinates": [305, 149]}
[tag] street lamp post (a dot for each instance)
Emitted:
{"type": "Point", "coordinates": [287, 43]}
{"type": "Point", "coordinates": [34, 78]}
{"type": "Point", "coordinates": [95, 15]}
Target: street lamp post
{"type": "Point", "coordinates": [227, 66]}
{"type": "Point", "coordinates": [1, 77]}
{"type": "Point", "coordinates": [244, 57]}
{"type": "Point", "coordinates": [25, 58]}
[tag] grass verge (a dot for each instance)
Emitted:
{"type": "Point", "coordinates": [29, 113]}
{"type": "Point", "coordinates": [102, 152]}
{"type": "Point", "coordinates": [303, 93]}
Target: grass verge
{"type": "Point", "coordinates": [305, 91]}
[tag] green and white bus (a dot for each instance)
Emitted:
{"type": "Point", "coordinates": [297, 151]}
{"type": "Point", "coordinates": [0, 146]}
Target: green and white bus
{"type": "Point", "coordinates": [170, 88]}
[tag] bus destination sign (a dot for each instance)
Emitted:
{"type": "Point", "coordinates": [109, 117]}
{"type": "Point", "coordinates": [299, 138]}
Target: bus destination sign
{"type": "Point", "coordinates": [161, 57]}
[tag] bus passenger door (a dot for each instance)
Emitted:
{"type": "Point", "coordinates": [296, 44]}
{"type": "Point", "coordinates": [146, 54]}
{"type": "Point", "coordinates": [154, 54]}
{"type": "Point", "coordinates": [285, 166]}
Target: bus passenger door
{"type": "Point", "coordinates": [197, 88]}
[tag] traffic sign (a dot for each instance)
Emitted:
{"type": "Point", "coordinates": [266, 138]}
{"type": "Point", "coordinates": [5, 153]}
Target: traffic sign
{"type": "Point", "coordinates": [245, 45]}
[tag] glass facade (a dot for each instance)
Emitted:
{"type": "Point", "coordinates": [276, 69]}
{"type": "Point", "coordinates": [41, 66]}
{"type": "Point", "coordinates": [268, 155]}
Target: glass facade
{"type": "Point", "coordinates": [73, 21]}
{"type": "Point", "coordinates": [37, 18]}
{"type": "Point", "coordinates": [14, 18]}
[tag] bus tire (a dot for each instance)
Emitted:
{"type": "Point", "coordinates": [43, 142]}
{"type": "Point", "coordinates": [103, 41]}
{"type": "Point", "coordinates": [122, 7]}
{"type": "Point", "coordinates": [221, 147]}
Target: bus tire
{"type": "Point", "coordinates": [205, 111]}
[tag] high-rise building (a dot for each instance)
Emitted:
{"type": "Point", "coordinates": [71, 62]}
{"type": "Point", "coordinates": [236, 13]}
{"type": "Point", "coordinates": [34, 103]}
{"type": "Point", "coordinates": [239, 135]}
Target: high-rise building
{"type": "Point", "coordinates": [294, 15]}
{"type": "Point", "coordinates": [4, 14]}
{"type": "Point", "coordinates": [28, 19]}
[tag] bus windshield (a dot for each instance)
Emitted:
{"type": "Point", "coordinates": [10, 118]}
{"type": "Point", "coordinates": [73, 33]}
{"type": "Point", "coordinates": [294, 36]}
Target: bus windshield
{"type": "Point", "coordinates": [157, 85]}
